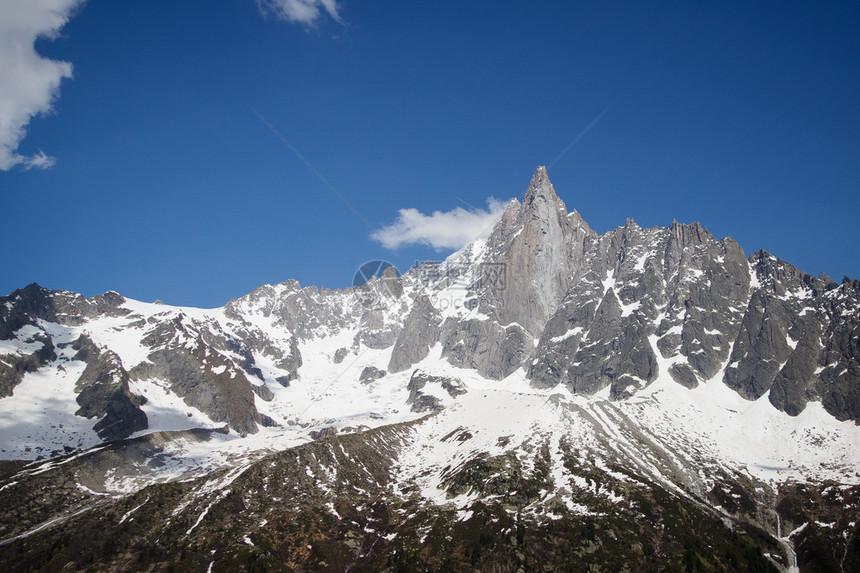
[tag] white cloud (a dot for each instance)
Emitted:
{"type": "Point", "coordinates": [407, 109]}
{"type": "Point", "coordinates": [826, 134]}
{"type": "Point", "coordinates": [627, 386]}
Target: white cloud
{"type": "Point", "coordinates": [29, 83]}
{"type": "Point", "coordinates": [305, 12]}
{"type": "Point", "coordinates": [442, 230]}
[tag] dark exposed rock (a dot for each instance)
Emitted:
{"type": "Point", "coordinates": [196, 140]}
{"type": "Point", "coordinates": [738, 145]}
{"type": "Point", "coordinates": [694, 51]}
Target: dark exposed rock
{"type": "Point", "coordinates": [425, 403]}
{"type": "Point", "coordinates": [453, 386]}
{"type": "Point", "coordinates": [225, 397]}
{"type": "Point", "coordinates": [340, 354]}
{"type": "Point", "coordinates": [422, 402]}
{"type": "Point", "coordinates": [23, 307]}
{"type": "Point", "coordinates": [761, 347]}
{"type": "Point", "coordinates": [291, 362]}
{"type": "Point", "coordinates": [371, 373]}
{"type": "Point", "coordinates": [328, 432]}
{"type": "Point", "coordinates": [103, 392]}
{"type": "Point", "coordinates": [263, 392]}
{"type": "Point", "coordinates": [14, 366]}
{"type": "Point", "coordinates": [795, 384]}
{"type": "Point", "coordinates": [419, 400]}
{"type": "Point", "coordinates": [26, 305]}
{"type": "Point", "coordinates": [683, 374]}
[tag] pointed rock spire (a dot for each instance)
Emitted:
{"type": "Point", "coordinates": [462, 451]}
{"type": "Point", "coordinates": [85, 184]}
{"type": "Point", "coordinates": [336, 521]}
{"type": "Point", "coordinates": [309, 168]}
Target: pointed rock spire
{"type": "Point", "coordinates": [541, 190]}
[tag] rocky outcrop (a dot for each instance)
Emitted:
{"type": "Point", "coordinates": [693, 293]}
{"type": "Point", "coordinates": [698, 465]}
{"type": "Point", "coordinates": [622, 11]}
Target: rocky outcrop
{"type": "Point", "coordinates": [798, 341]}
{"type": "Point", "coordinates": [371, 373]}
{"type": "Point", "coordinates": [224, 395]}
{"type": "Point", "coordinates": [495, 351]}
{"type": "Point", "coordinates": [641, 292]}
{"type": "Point", "coordinates": [339, 355]}
{"type": "Point", "coordinates": [212, 369]}
{"type": "Point", "coordinates": [607, 311]}
{"type": "Point", "coordinates": [420, 379]}
{"type": "Point", "coordinates": [839, 379]}
{"type": "Point", "coordinates": [29, 304]}
{"type": "Point", "coordinates": [298, 310]}
{"type": "Point", "coordinates": [421, 401]}
{"type": "Point", "coordinates": [103, 392]}
{"type": "Point", "coordinates": [324, 433]}
{"type": "Point", "coordinates": [420, 331]}
{"type": "Point", "coordinates": [14, 366]}
{"type": "Point", "coordinates": [290, 361]}
{"type": "Point", "coordinates": [539, 245]}
{"type": "Point", "coordinates": [306, 312]}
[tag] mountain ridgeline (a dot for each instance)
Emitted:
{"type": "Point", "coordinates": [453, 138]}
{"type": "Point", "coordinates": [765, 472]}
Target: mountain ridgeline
{"type": "Point", "coordinates": [595, 312]}
{"type": "Point", "coordinates": [547, 398]}
{"type": "Point", "coordinates": [568, 306]}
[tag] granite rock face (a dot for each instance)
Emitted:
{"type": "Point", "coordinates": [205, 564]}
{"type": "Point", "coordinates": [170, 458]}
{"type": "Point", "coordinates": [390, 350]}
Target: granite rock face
{"type": "Point", "coordinates": [221, 397]}
{"type": "Point", "coordinates": [495, 351]}
{"type": "Point", "coordinates": [543, 248]}
{"type": "Point", "coordinates": [645, 296]}
{"type": "Point", "coordinates": [420, 331]}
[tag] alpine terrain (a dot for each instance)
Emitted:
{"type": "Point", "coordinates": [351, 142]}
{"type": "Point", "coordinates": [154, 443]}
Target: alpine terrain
{"type": "Point", "coordinates": [546, 399]}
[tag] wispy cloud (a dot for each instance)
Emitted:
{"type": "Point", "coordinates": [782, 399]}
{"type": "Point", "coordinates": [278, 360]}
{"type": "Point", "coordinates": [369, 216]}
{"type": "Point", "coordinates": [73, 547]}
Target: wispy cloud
{"type": "Point", "coordinates": [29, 83]}
{"type": "Point", "coordinates": [307, 12]}
{"type": "Point", "coordinates": [440, 230]}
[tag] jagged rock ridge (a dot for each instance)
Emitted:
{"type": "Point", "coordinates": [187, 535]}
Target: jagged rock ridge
{"type": "Point", "coordinates": [611, 311]}
{"type": "Point", "coordinates": [634, 398]}
{"type": "Point", "coordinates": [567, 306]}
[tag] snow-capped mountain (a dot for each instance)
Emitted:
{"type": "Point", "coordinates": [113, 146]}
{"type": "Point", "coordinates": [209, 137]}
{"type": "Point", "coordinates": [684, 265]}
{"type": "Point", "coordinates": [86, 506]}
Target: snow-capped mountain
{"type": "Point", "coordinates": [546, 398]}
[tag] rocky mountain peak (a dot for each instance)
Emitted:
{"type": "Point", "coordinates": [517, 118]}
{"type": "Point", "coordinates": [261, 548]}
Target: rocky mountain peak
{"type": "Point", "coordinates": [704, 378]}
{"type": "Point", "coordinates": [538, 249]}
{"type": "Point", "coordinates": [509, 217]}
{"type": "Point", "coordinates": [390, 273]}
{"type": "Point", "coordinates": [541, 195]}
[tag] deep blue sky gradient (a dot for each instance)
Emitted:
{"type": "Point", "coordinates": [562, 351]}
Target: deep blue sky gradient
{"type": "Point", "coordinates": [743, 116]}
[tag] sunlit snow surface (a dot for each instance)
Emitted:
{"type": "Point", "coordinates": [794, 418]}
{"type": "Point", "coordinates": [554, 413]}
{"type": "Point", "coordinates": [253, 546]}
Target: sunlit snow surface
{"type": "Point", "coordinates": [708, 425]}
{"type": "Point", "coordinates": [39, 418]}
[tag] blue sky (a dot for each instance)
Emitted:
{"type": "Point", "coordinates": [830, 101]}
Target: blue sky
{"type": "Point", "coordinates": [160, 177]}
